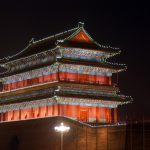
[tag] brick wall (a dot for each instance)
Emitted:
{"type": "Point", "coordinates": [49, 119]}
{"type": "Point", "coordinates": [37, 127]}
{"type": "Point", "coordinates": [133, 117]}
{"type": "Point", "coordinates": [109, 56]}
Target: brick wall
{"type": "Point", "coordinates": [39, 134]}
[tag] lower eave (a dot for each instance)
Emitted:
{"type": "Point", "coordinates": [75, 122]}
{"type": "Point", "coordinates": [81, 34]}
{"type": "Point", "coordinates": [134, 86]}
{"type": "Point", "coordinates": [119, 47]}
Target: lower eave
{"type": "Point", "coordinates": [50, 92]}
{"type": "Point", "coordinates": [55, 85]}
{"type": "Point", "coordinates": [74, 97]}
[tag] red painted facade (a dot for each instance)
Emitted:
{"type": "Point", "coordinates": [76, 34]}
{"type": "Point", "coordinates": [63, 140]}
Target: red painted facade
{"type": "Point", "coordinates": [63, 76]}
{"type": "Point", "coordinates": [81, 113]}
{"type": "Point", "coordinates": [102, 102]}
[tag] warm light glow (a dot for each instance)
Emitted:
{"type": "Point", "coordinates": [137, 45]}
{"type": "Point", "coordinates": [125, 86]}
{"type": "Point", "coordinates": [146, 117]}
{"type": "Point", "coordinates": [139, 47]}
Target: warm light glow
{"type": "Point", "coordinates": [62, 128]}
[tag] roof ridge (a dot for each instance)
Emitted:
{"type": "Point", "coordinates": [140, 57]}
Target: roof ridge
{"type": "Point", "coordinates": [55, 35]}
{"type": "Point", "coordinates": [32, 43]}
{"type": "Point", "coordinates": [73, 34]}
{"type": "Point", "coordinates": [9, 57]}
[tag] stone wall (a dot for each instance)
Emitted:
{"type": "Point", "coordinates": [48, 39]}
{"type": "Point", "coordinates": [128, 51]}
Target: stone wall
{"type": "Point", "coordinates": [39, 134]}
{"type": "Point", "coordinates": [138, 136]}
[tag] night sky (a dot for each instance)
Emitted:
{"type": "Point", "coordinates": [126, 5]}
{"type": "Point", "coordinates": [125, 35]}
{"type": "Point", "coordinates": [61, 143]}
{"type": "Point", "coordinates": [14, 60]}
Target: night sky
{"type": "Point", "coordinates": [125, 25]}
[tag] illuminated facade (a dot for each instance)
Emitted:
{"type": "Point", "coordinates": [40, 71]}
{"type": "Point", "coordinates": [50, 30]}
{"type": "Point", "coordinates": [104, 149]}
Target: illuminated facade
{"type": "Point", "coordinates": [66, 74]}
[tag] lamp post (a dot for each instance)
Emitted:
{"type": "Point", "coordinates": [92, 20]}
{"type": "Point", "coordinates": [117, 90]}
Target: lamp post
{"type": "Point", "coordinates": [62, 129]}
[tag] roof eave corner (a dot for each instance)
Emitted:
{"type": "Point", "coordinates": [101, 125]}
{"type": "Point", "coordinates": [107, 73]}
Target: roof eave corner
{"type": "Point", "coordinates": [3, 61]}
{"type": "Point", "coordinates": [59, 42]}
{"type": "Point", "coordinates": [121, 69]}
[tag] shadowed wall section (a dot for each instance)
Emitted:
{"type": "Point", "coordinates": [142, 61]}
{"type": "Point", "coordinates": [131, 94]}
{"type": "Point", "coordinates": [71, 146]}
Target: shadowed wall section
{"type": "Point", "coordinates": [39, 134]}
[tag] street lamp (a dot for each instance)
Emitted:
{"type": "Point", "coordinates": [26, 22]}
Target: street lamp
{"type": "Point", "coordinates": [62, 129]}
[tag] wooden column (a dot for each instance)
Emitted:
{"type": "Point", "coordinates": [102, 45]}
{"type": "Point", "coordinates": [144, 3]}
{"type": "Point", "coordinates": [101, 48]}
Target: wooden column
{"type": "Point", "coordinates": [50, 110]}
{"type": "Point", "coordinates": [110, 115]}
{"type": "Point", "coordinates": [69, 111]}
{"type": "Point", "coordinates": [110, 82]}
{"type": "Point", "coordinates": [55, 110]}
{"type": "Point", "coordinates": [109, 118]}
{"type": "Point", "coordinates": [93, 114]}
{"type": "Point", "coordinates": [31, 113]}
{"type": "Point", "coordinates": [25, 83]}
{"type": "Point", "coordinates": [7, 116]}
{"type": "Point", "coordinates": [115, 115]}
{"type": "Point", "coordinates": [42, 111]}
{"type": "Point", "coordinates": [9, 87]}
{"type": "Point", "coordinates": [97, 114]}
{"type": "Point", "coordinates": [64, 113]}
{"type": "Point", "coordinates": [12, 115]}
{"type": "Point", "coordinates": [103, 114]}
{"type": "Point", "coordinates": [106, 115]}
{"type": "Point", "coordinates": [78, 112]}
{"type": "Point", "coordinates": [19, 114]}
{"type": "Point", "coordinates": [59, 109]}
{"type": "Point", "coordinates": [2, 117]}
{"type": "Point", "coordinates": [16, 114]}
{"type": "Point", "coordinates": [46, 113]}
{"type": "Point", "coordinates": [74, 112]}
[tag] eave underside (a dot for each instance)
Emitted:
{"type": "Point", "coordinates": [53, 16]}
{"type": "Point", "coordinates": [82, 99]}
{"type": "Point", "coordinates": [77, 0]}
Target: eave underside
{"type": "Point", "coordinates": [117, 67]}
{"type": "Point", "coordinates": [112, 67]}
{"type": "Point", "coordinates": [57, 100]}
{"type": "Point", "coordinates": [47, 91]}
{"type": "Point", "coordinates": [56, 85]}
{"type": "Point", "coordinates": [91, 46]}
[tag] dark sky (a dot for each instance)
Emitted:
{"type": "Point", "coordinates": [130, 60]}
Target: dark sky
{"type": "Point", "coordinates": [124, 25]}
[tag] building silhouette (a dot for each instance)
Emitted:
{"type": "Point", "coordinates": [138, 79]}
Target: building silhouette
{"type": "Point", "coordinates": [63, 78]}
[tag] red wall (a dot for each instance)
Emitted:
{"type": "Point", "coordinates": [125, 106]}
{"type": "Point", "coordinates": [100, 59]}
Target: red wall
{"type": "Point", "coordinates": [85, 78]}
{"type": "Point", "coordinates": [29, 82]}
{"type": "Point", "coordinates": [63, 76]}
{"type": "Point", "coordinates": [83, 113]}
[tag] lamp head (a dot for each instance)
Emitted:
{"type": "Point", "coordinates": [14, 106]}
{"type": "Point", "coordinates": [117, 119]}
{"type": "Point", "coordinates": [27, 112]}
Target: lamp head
{"type": "Point", "coordinates": [62, 128]}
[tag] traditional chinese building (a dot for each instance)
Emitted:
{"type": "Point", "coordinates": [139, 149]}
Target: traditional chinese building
{"type": "Point", "coordinates": [66, 74]}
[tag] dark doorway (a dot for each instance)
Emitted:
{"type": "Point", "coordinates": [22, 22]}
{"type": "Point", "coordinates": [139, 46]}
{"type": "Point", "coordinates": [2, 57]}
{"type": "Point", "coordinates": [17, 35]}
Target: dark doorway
{"type": "Point", "coordinates": [14, 144]}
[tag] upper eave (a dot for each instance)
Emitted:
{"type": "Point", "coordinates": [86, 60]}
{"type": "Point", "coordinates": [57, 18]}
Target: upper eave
{"type": "Point", "coordinates": [35, 47]}
{"type": "Point", "coordinates": [113, 66]}
{"type": "Point", "coordinates": [9, 73]}
{"type": "Point", "coordinates": [91, 46]}
{"type": "Point", "coordinates": [61, 39]}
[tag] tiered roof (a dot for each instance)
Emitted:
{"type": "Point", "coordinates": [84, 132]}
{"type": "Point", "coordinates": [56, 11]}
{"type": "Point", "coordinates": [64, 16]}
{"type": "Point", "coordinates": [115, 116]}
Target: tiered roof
{"type": "Point", "coordinates": [61, 39]}
{"type": "Point", "coordinates": [74, 38]}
